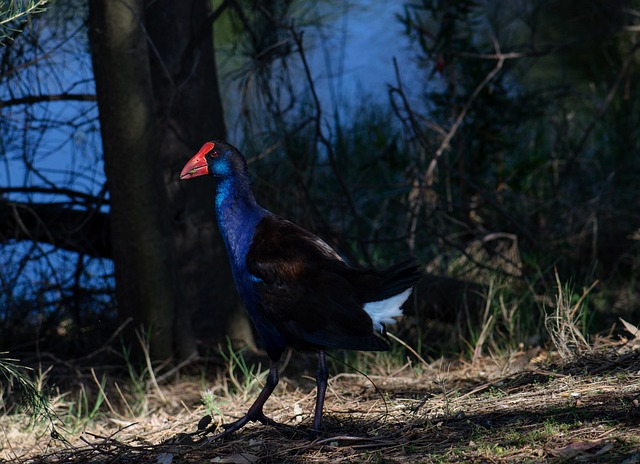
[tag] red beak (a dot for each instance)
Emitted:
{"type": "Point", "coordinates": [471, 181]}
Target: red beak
{"type": "Point", "coordinates": [197, 166]}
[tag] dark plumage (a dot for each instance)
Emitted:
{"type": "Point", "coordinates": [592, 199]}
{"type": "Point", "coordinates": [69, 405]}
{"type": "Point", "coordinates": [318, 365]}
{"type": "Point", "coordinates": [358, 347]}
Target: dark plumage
{"type": "Point", "coordinates": [297, 289]}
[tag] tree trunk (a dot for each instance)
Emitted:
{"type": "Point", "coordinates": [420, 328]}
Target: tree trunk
{"type": "Point", "coordinates": [158, 97]}
{"type": "Point", "coordinates": [190, 112]}
{"type": "Point", "coordinates": [140, 230]}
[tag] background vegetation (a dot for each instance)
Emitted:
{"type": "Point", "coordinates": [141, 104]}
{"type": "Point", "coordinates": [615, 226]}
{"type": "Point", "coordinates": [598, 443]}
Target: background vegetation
{"type": "Point", "coordinates": [507, 163]}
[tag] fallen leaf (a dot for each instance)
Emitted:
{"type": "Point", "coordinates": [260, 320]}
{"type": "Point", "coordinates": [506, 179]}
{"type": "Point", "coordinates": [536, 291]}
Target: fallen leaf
{"type": "Point", "coordinates": [581, 448]}
{"type": "Point", "coordinates": [632, 329]}
{"type": "Point", "coordinates": [605, 449]}
{"type": "Point", "coordinates": [165, 458]}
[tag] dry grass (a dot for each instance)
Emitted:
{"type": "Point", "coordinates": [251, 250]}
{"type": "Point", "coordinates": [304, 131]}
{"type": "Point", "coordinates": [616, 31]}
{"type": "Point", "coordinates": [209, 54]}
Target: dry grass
{"type": "Point", "coordinates": [493, 410]}
{"type": "Point", "coordinates": [566, 325]}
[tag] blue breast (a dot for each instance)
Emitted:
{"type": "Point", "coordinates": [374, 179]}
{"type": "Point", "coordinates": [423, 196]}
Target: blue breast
{"type": "Point", "coordinates": [238, 215]}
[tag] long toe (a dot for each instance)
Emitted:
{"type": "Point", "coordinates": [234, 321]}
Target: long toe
{"type": "Point", "coordinates": [264, 419]}
{"type": "Point", "coordinates": [235, 425]}
{"type": "Point", "coordinates": [255, 417]}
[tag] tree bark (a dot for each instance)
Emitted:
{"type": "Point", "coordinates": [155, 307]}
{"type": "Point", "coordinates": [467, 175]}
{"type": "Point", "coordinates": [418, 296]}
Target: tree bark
{"type": "Point", "coordinates": [140, 231]}
{"type": "Point", "coordinates": [158, 97]}
{"type": "Point", "coordinates": [186, 91]}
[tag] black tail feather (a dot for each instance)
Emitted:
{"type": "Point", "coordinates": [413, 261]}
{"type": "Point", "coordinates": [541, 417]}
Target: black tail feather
{"type": "Point", "coordinates": [398, 278]}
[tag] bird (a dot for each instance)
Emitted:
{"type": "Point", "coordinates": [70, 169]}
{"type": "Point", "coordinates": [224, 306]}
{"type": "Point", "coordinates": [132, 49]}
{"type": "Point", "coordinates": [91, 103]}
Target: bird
{"type": "Point", "coordinates": [299, 292]}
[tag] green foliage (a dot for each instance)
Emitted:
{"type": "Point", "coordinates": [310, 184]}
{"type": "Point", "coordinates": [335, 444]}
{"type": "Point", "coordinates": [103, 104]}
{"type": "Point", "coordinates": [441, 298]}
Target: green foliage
{"type": "Point", "coordinates": [14, 12]}
{"type": "Point", "coordinates": [516, 158]}
{"type": "Point", "coordinates": [245, 378]}
{"type": "Point", "coordinates": [512, 154]}
{"type": "Point", "coordinates": [542, 147]}
{"type": "Point", "coordinates": [30, 394]}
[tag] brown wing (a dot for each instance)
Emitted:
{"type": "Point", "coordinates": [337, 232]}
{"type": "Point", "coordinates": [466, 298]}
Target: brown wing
{"type": "Point", "coordinates": [305, 290]}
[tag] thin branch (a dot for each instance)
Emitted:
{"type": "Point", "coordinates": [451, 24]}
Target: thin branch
{"type": "Point", "coordinates": [500, 56]}
{"type": "Point", "coordinates": [85, 231]}
{"type": "Point", "coordinates": [30, 99]}
{"type": "Point", "coordinates": [573, 155]}
{"type": "Point", "coordinates": [428, 177]}
{"type": "Point", "coordinates": [34, 8]}
{"type": "Point", "coordinates": [399, 90]}
{"type": "Point", "coordinates": [426, 181]}
{"type": "Point", "coordinates": [89, 198]}
{"type": "Point", "coordinates": [297, 38]}
{"type": "Point", "coordinates": [203, 33]}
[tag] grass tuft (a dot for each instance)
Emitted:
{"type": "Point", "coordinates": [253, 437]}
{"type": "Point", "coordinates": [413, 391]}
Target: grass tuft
{"type": "Point", "coordinates": [567, 323]}
{"type": "Point", "coordinates": [245, 379]}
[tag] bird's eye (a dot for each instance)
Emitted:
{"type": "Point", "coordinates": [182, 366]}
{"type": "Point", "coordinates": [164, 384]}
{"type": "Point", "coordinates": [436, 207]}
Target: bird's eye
{"type": "Point", "coordinates": [215, 153]}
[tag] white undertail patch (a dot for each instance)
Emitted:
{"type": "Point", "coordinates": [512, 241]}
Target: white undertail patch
{"type": "Point", "coordinates": [384, 311]}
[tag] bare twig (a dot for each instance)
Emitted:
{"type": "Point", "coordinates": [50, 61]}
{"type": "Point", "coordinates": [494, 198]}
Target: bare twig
{"type": "Point", "coordinates": [426, 181]}
{"type": "Point", "coordinates": [410, 348]}
{"type": "Point", "coordinates": [31, 99]}
{"type": "Point", "coordinates": [428, 176]}
{"type": "Point", "coordinates": [575, 152]}
{"type": "Point", "coordinates": [147, 358]}
{"type": "Point", "coordinates": [324, 140]}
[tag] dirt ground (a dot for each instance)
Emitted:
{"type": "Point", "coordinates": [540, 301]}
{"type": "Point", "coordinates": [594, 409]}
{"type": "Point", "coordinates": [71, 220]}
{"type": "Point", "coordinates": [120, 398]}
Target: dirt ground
{"type": "Point", "coordinates": [509, 411]}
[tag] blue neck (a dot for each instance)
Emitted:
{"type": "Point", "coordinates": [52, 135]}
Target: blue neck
{"type": "Point", "coordinates": [238, 214]}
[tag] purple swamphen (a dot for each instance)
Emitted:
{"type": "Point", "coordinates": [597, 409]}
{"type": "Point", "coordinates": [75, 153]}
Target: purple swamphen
{"type": "Point", "coordinates": [298, 291]}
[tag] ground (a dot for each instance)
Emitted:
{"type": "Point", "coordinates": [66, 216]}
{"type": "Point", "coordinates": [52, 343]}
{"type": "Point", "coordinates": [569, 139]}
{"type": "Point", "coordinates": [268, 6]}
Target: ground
{"type": "Point", "coordinates": [510, 410]}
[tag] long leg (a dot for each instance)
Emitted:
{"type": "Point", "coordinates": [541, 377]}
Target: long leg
{"type": "Point", "coordinates": [255, 411]}
{"type": "Point", "coordinates": [322, 374]}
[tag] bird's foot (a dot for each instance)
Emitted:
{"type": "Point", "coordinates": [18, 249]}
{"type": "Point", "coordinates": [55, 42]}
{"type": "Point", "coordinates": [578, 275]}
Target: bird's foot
{"type": "Point", "coordinates": [205, 429]}
{"type": "Point", "coordinates": [260, 417]}
{"type": "Point", "coordinates": [257, 416]}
